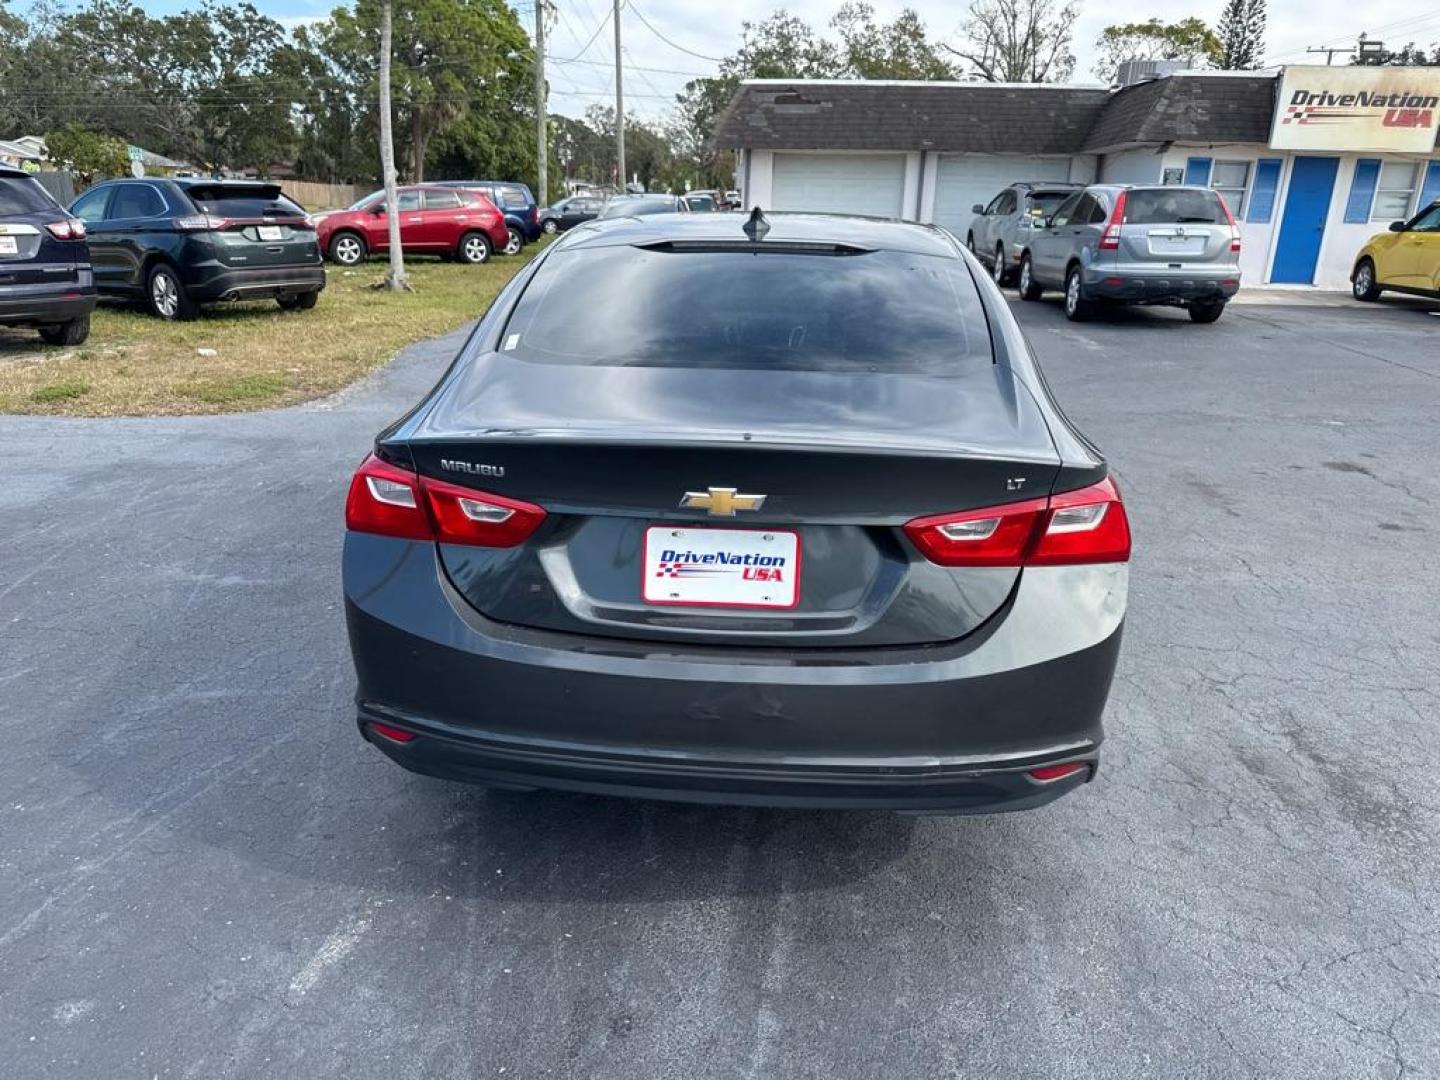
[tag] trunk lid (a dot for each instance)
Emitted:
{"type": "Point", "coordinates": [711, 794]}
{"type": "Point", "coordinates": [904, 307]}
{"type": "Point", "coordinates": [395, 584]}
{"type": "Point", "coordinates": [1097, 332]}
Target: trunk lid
{"type": "Point", "coordinates": [1175, 227]}
{"type": "Point", "coordinates": [256, 225]}
{"type": "Point", "coordinates": [842, 459]}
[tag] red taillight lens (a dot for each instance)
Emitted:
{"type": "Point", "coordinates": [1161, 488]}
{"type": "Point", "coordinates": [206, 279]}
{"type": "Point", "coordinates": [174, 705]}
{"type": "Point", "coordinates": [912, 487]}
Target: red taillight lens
{"type": "Point", "coordinates": [1085, 526]}
{"type": "Point", "coordinates": [69, 229]}
{"type": "Point", "coordinates": [391, 501]}
{"type": "Point", "coordinates": [386, 500]}
{"type": "Point", "coordinates": [394, 734]}
{"type": "Point", "coordinates": [1047, 773]}
{"type": "Point", "coordinates": [1234, 228]}
{"type": "Point", "coordinates": [1110, 238]}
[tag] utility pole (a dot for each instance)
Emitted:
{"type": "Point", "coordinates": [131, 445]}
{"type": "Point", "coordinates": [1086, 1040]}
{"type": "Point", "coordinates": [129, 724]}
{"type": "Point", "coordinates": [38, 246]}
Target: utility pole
{"type": "Point", "coordinates": [1329, 53]}
{"type": "Point", "coordinates": [619, 105]}
{"type": "Point", "coordinates": [542, 119]}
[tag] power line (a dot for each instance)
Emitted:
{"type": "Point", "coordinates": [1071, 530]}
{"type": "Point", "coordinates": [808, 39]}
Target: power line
{"type": "Point", "coordinates": [586, 47]}
{"type": "Point", "coordinates": [674, 45]}
{"type": "Point", "coordinates": [632, 67]}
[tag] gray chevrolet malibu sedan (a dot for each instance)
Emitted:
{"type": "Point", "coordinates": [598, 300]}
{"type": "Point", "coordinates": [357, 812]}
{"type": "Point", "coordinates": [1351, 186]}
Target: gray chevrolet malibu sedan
{"type": "Point", "coordinates": [770, 512]}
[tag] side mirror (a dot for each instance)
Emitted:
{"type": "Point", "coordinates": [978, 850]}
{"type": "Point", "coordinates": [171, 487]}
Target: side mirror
{"type": "Point", "coordinates": [977, 209]}
{"type": "Point", "coordinates": [1397, 226]}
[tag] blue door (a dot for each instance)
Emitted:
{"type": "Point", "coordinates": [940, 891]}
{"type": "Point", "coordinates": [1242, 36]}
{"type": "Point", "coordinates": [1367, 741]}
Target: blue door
{"type": "Point", "coordinates": [1312, 181]}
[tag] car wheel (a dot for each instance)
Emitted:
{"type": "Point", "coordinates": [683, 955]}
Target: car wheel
{"type": "Point", "coordinates": [298, 301]}
{"type": "Point", "coordinates": [514, 242]}
{"type": "Point", "coordinates": [347, 249]}
{"type": "Point", "coordinates": [73, 332]}
{"type": "Point", "coordinates": [167, 296]}
{"type": "Point", "coordinates": [1363, 284]}
{"type": "Point", "coordinates": [1206, 312]}
{"type": "Point", "coordinates": [551, 226]}
{"type": "Point", "coordinates": [998, 271]}
{"type": "Point", "coordinates": [970, 242]}
{"type": "Point", "coordinates": [474, 249]}
{"type": "Point", "coordinates": [1029, 287]}
{"type": "Point", "coordinates": [1077, 308]}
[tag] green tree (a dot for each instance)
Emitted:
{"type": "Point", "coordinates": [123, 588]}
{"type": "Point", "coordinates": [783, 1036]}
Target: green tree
{"type": "Point", "coordinates": [1242, 34]}
{"type": "Point", "coordinates": [1019, 40]}
{"type": "Point", "coordinates": [899, 49]}
{"type": "Point", "coordinates": [1189, 40]}
{"type": "Point", "coordinates": [90, 155]}
{"type": "Point", "coordinates": [1408, 55]}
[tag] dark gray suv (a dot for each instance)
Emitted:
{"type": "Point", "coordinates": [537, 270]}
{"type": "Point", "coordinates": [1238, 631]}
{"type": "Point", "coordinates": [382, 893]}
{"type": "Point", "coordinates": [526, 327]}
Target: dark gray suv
{"type": "Point", "coordinates": [1136, 245]}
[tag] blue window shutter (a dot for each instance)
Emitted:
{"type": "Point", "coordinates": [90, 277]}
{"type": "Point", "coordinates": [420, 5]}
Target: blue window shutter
{"type": "Point", "coordinates": [1197, 171]}
{"type": "Point", "coordinates": [1430, 188]}
{"type": "Point", "coordinates": [1362, 190]}
{"type": "Point", "coordinates": [1262, 191]}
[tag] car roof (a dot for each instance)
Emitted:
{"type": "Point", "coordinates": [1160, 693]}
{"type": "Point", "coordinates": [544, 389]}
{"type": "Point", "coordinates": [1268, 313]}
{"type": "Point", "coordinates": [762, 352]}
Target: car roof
{"type": "Point", "coordinates": [11, 171]}
{"type": "Point", "coordinates": [865, 232]}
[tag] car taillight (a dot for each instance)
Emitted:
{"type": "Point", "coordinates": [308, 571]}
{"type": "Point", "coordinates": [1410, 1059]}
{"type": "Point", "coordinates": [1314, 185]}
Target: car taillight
{"type": "Point", "coordinates": [1110, 238]}
{"type": "Point", "coordinates": [534, 214]}
{"type": "Point", "coordinates": [1234, 228]}
{"type": "Point", "coordinates": [1085, 526]}
{"type": "Point", "coordinates": [200, 222]}
{"type": "Point", "coordinates": [69, 229]}
{"type": "Point", "coordinates": [391, 501]}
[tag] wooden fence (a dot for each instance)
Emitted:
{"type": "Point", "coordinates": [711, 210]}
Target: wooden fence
{"type": "Point", "coordinates": [313, 196]}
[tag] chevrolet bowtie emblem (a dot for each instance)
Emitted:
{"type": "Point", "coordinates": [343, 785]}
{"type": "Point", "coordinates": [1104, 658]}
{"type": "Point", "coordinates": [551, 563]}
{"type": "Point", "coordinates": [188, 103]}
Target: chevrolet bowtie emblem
{"type": "Point", "coordinates": [721, 502]}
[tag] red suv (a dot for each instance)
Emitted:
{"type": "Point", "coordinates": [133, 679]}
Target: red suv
{"type": "Point", "coordinates": [433, 221]}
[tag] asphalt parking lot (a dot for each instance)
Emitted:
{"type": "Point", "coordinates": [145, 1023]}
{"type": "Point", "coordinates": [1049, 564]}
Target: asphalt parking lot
{"type": "Point", "coordinates": [205, 873]}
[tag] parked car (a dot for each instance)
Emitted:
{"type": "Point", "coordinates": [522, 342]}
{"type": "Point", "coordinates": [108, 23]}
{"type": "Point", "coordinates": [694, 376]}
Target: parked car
{"type": "Point", "coordinates": [567, 213]}
{"type": "Point", "coordinates": [702, 202]}
{"type": "Point", "coordinates": [643, 205]}
{"type": "Point", "coordinates": [45, 276]}
{"type": "Point", "coordinates": [1000, 231]}
{"type": "Point", "coordinates": [826, 564]}
{"type": "Point", "coordinates": [434, 220]}
{"type": "Point", "coordinates": [733, 199]}
{"type": "Point", "coordinates": [522, 212]}
{"type": "Point", "coordinates": [1171, 245]}
{"type": "Point", "coordinates": [1404, 259]}
{"type": "Point", "coordinates": [179, 243]}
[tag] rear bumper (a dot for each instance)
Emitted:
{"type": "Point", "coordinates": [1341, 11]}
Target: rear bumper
{"type": "Point", "coordinates": [214, 282]}
{"type": "Point", "coordinates": [947, 728]}
{"type": "Point", "coordinates": [1149, 287]}
{"type": "Point", "coordinates": [43, 305]}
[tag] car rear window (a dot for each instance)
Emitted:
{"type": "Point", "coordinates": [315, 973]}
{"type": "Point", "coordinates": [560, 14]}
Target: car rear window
{"type": "Point", "coordinates": [886, 312]}
{"type": "Point", "coordinates": [1048, 200]}
{"type": "Point", "coordinates": [513, 198]}
{"type": "Point", "coordinates": [22, 195]}
{"type": "Point", "coordinates": [242, 201]}
{"type": "Point", "coordinates": [1173, 206]}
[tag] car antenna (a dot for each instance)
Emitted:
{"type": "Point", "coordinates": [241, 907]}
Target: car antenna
{"type": "Point", "coordinates": [756, 226]}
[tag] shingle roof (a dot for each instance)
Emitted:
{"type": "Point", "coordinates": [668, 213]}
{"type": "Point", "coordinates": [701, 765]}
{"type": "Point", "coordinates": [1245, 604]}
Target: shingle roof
{"type": "Point", "coordinates": [1187, 108]}
{"type": "Point", "coordinates": [978, 117]}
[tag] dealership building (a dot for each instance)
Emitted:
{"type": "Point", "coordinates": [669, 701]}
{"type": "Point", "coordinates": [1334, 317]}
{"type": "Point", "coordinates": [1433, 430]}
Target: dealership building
{"type": "Point", "coordinates": [1312, 160]}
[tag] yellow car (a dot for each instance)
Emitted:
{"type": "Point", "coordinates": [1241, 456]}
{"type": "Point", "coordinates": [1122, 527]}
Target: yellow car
{"type": "Point", "coordinates": [1405, 259]}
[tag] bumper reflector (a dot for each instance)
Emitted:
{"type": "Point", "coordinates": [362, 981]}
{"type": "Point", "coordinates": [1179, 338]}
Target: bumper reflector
{"type": "Point", "coordinates": [1047, 773]}
{"type": "Point", "coordinates": [394, 734]}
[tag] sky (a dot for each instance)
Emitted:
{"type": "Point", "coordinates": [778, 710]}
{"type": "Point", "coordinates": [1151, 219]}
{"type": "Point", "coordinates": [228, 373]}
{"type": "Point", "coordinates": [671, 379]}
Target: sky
{"type": "Point", "coordinates": [701, 30]}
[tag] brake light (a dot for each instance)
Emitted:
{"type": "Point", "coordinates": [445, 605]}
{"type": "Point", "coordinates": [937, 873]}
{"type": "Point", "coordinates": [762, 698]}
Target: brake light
{"type": "Point", "coordinates": [534, 214]}
{"type": "Point", "coordinates": [69, 229]}
{"type": "Point", "coordinates": [1085, 526]}
{"type": "Point", "coordinates": [1048, 773]}
{"type": "Point", "coordinates": [1234, 228]}
{"type": "Point", "coordinates": [394, 734]}
{"type": "Point", "coordinates": [390, 501]}
{"type": "Point", "coordinates": [1110, 238]}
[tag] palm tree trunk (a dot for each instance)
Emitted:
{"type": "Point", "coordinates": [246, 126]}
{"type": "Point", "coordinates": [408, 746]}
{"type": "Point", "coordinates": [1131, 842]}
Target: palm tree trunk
{"type": "Point", "coordinates": [395, 279]}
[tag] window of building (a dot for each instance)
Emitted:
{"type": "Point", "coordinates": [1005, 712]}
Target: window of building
{"type": "Point", "coordinates": [1394, 191]}
{"type": "Point", "coordinates": [1231, 179]}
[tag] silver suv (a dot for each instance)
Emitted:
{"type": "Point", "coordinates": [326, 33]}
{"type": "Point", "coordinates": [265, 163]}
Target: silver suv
{"type": "Point", "coordinates": [1136, 245]}
{"type": "Point", "coordinates": [1001, 231]}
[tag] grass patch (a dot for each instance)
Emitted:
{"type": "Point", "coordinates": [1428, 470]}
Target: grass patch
{"type": "Point", "coordinates": [59, 391]}
{"type": "Point", "coordinates": [136, 365]}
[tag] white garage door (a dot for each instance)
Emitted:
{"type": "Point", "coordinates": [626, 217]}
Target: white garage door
{"type": "Point", "coordinates": [839, 183]}
{"type": "Point", "coordinates": [967, 179]}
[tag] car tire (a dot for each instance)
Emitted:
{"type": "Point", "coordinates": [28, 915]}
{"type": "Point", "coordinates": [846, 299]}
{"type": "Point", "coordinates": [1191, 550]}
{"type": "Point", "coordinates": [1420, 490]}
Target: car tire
{"type": "Point", "coordinates": [73, 332]}
{"type": "Point", "coordinates": [551, 226]}
{"type": "Point", "coordinates": [1363, 283]}
{"type": "Point", "coordinates": [298, 301]}
{"type": "Point", "coordinates": [473, 249]}
{"type": "Point", "coordinates": [1077, 307]}
{"type": "Point", "coordinates": [1029, 288]}
{"type": "Point", "coordinates": [970, 244]}
{"type": "Point", "coordinates": [514, 241]}
{"type": "Point", "coordinates": [999, 271]}
{"type": "Point", "coordinates": [166, 296]}
{"type": "Point", "coordinates": [348, 249]}
{"type": "Point", "coordinates": [1207, 311]}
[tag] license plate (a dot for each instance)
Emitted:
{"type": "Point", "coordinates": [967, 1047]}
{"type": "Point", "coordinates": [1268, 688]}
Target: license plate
{"type": "Point", "coordinates": [746, 568]}
{"type": "Point", "coordinates": [9, 245]}
{"type": "Point", "coordinates": [271, 232]}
